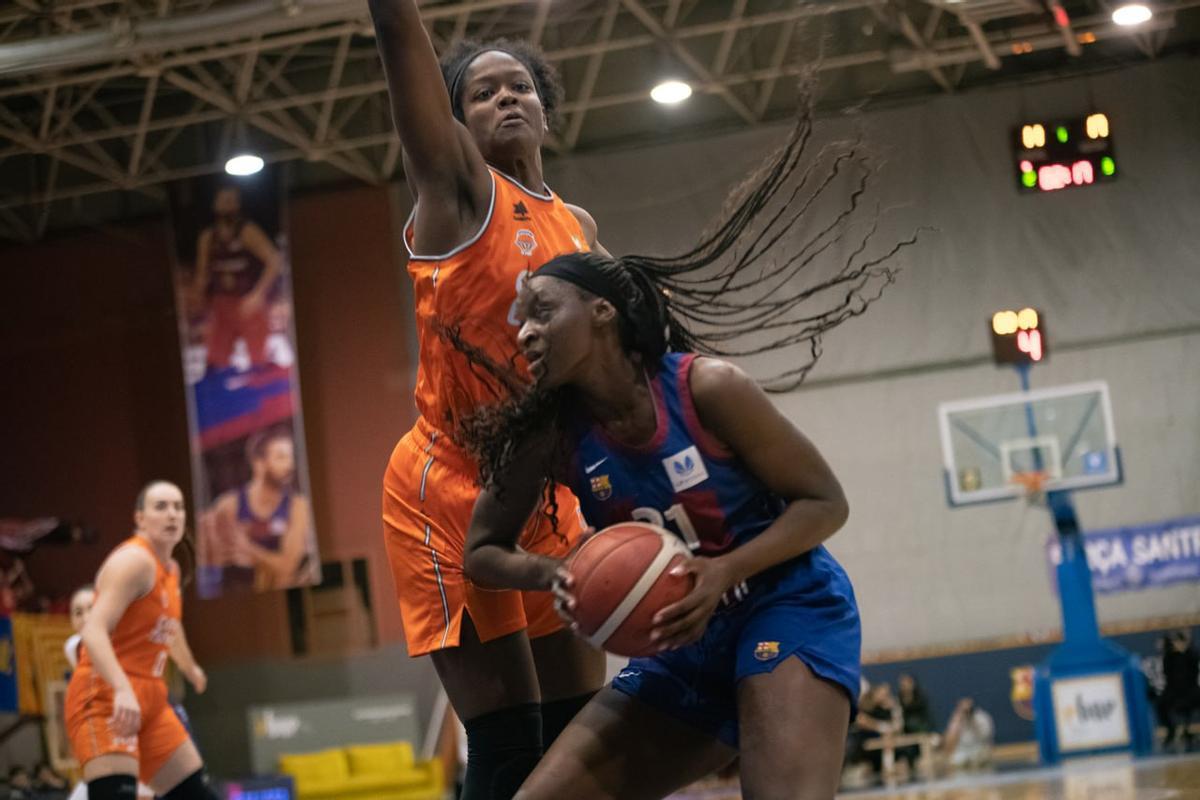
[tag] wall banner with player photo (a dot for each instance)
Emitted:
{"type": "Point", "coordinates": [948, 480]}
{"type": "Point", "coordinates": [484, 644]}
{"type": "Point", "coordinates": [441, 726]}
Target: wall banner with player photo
{"type": "Point", "coordinates": [250, 480]}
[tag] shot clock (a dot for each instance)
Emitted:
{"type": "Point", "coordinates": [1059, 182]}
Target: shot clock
{"type": "Point", "coordinates": [1018, 337]}
{"type": "Point", "coordinates": [1063, 154]}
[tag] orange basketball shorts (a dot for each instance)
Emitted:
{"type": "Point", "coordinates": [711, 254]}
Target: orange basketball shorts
{"type": "Point", "coordinates": [89, 710]}
{"type": "Point", "coordinates": [429, 493]}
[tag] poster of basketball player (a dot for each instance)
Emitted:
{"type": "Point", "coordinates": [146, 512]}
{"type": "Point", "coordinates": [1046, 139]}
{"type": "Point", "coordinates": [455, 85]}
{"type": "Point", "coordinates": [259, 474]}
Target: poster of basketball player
{"type": "Point", "coordinates": [254, 523]}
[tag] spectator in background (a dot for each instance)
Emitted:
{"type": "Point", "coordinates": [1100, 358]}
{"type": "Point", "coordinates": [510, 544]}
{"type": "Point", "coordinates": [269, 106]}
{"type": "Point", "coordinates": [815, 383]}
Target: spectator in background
{"type": "Point", "coordinates": [1181, 685]}
{"type": "Point", "coordinates": [969, 736]}
{"type": "Point", "coordinates": [914, 709]}
{"type": "Point", "coordinates": [879, 715]}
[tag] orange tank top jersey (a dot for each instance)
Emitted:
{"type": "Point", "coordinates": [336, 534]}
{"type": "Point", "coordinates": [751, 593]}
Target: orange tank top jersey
{"type": "Point", "coordinates": [143, 635]}
{"type": "Point", "coordinates": [473, 289]}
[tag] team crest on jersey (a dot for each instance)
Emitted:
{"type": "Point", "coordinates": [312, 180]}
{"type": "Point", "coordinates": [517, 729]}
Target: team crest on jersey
{"type": "Point", "coordinates": [765, 651]}
{"type": "Point", "coordinates": [685, 469]}
{"type": "Point", "coordinates": [525, 242]}
{"type": "Point", "coordinates": [601, 487]}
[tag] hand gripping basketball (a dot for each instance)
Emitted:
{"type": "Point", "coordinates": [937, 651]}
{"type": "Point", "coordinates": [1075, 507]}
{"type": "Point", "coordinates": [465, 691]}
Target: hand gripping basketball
{"type": "Point", "coordinates": [616, 581]}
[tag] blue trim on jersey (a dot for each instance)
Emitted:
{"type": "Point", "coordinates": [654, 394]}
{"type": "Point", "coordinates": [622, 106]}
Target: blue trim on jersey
{"type": "Point", "coordinates": [686, 481]}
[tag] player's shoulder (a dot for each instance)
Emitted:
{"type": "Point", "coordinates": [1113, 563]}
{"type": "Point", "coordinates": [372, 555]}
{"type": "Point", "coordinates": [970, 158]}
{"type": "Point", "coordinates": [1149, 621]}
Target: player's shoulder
{"type": "Point", "coordinates": [128, 562]}
{"type": "Point", "coordinates": [226, 500]}
{"type": "Point", "coordinates": [709, 376]}
{"type": "Point", "coordinates": [586, 221]}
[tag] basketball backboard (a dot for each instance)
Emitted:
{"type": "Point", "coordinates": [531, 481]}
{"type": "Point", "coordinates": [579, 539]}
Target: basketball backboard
{"type": "Point", "coordinates": [991, 445]}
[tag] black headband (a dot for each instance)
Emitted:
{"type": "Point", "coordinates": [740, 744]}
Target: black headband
{"type": "Point", "coordinates": [586, 277]}
{"type": "Point", "coordinates": [456, 79]}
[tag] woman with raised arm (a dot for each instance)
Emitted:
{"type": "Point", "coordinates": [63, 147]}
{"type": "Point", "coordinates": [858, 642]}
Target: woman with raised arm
{"type": "Point", "coordinates": [472, 128]}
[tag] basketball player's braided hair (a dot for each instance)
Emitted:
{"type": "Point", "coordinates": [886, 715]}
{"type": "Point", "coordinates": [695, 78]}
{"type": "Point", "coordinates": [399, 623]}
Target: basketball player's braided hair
{"type": "Point", "coordinates": [737, 293]}
{"type": "Point", "coordinates": [458, 57]}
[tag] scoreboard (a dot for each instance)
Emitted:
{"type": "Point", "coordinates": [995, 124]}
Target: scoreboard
{"type": "Point", "coordinates": [1018, 337]}
{"type": "Point", "coordinates": [1063, 154]}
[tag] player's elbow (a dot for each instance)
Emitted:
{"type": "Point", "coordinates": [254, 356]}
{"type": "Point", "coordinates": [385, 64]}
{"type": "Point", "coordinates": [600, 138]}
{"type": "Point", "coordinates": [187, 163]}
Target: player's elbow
{"type": "Point", "coordinates": [838, 508]}
{"type": "Point", "coordinates": [475, 564]}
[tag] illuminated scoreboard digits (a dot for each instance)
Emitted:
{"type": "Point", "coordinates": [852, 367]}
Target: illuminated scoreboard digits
{"type": "Point", "coordinates": [1058, 155]}
{"type": "Point", "coordinates": [1018, 337]}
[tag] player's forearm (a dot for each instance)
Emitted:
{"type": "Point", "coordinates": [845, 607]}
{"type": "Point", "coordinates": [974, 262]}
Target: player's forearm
{"type": "Point", "coordinates": [804, 525]}
{"type": "Point", "coordinates": [273, 266]}
{"type": "Point", "coordinates": [497, 567]}
{"type": "Point", "coordinates": [103, 657]}
{"type": "Point", "coordinates": [181, 654]}
{"type": "Point", "coordinates": [279, 563]}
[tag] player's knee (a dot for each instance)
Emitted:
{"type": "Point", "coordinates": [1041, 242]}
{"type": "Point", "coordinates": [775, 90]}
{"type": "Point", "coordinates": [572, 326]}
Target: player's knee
{"type": "Point", "coordinates": [112, 787]}
{"type": "Point", "coordinates": [193, 787]}
{"type": "Point", "coordinates": [503, 747]}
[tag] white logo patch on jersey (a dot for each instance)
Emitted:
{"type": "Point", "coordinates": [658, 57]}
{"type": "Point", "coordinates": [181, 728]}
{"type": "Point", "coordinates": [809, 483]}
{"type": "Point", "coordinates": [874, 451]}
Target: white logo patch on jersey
{"type": "Point", "coordinates": [525, 242]}
{"type": "Point", "coordinates": [685, 469]}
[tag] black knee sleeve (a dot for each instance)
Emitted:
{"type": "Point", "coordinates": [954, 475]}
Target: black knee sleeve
{"type": "Point", "coordinates": [193, 787]}
{"type": "Point", "coordinates": [558, 713]}
{"type": "Point", "coordinates": [113, 787]}
{"type": "Point", "coordinates": [503, 747]}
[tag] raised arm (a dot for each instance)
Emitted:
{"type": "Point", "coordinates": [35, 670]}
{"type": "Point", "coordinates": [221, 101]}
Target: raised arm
{"type": "Point", "coordinates": [127, 575]}
{"type": "Point", "coordinates": [442, 157]}
{"type": "Point", "coordinates": [493, 559]}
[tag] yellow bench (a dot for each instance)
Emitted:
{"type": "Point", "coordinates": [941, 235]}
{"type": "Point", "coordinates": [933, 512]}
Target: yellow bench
{"type": "Point", "coordinates": [364, 772]}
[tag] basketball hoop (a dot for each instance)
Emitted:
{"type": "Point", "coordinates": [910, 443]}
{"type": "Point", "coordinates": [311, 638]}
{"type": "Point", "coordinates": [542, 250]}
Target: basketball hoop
{"type": "Point", "coordinates": [1033, 484]}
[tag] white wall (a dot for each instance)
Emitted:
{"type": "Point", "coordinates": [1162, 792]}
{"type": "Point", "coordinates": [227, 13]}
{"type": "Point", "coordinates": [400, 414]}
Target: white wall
{"type": "Point", "coordinates": [1115, 269]}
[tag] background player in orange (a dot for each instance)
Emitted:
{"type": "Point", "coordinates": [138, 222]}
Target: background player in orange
{"type": "Point", "coordinates": [119, 720]}
{"type": "Point", "coordinates": [472, 131]}
{"type": "Point", "coordinates": [236, 266]}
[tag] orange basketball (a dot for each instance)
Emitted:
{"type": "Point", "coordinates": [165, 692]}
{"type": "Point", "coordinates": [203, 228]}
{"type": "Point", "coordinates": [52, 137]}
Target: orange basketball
{"type": "Point", "coordinates": [622, 581]}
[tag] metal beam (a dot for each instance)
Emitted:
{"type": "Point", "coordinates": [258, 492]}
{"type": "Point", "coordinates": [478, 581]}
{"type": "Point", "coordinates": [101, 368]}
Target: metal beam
{"type": "Point", "coordinates": [691, 62]}
{"type": "Point", "coordinates": [538, 29]}
{"type": "Point", "coordinates": [590, 74]}
{"type": "Point", "coordinates": [898, 20]}
{"type": "Point", "coordinates": [139, 140]}
{"type": "Point", "coordinates": [782, 44]}
{"type": "Point", "coordinates": [727, 38]}
{"type": "Point", "coordinates": [335, 78]}
{"type": "Point", "coordinates": [981, 42]}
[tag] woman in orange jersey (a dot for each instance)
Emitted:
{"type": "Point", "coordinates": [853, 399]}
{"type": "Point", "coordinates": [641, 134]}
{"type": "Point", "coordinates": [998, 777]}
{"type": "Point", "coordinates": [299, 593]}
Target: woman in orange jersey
{"type": "Point", "coordinates": [119, 720]}
{"type": "Point", "coordinates": [472, 129]}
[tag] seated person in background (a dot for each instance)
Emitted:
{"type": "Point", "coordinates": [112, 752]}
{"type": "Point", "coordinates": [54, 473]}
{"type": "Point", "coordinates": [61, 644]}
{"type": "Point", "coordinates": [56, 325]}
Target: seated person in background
{"type": "Point", "coordinates": [1181, 685]}
{"type": "Point", "coordinates": [914, 708]}
{"type": "Point", "coordinates": [880, 715]}
{"type": "Point", "coordinates": [969, 736]}
{"type": "Point", "coordinates": [45, 779]}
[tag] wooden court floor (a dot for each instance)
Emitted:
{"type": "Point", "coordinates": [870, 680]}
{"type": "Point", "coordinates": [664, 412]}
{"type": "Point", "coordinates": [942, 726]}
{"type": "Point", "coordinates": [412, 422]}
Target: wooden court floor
{"type": "Point", "coordinates": [1158, 778]}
